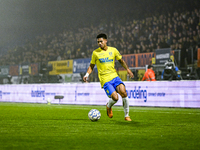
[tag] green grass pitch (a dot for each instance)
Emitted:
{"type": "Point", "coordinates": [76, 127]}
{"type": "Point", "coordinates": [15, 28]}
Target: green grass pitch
{"type": "Point", "coordinates": [42, 126]}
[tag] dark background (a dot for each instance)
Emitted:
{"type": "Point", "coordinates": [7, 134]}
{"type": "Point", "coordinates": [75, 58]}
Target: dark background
{"type": "Point", "coordinates": [22, 20]}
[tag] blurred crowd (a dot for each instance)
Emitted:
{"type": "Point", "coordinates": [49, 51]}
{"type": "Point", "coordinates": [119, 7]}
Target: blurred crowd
{"type": "Point", "coordinates": [175, 30]}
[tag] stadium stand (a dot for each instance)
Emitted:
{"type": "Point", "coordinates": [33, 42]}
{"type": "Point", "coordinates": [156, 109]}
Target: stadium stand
{"type": "Point", "coordinates": [177, 29]}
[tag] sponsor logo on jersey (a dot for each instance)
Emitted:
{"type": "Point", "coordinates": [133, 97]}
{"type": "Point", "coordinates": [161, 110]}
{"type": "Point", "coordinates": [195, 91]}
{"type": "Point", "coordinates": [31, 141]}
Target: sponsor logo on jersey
{"type": "Point", "coordinates": [105, 60]}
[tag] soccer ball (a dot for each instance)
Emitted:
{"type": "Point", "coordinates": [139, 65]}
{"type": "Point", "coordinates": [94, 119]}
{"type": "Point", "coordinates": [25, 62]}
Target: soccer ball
{"type": "Point", "coordinates": [94, 115]}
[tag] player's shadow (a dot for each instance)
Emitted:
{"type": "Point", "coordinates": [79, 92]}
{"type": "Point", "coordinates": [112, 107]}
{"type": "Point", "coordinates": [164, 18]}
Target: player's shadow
{"type": "Point", "coordinates": [78, 119]}
{"type": "Point", "coordinates": [131, 123]}
{"type": "Point", "coordinates": [65, 119]}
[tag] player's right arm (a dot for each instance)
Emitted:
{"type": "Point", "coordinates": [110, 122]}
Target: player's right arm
{"type": "Point", "coordinates": [123, 63]}
{"type": "Point", "coordinates": [89, 70]}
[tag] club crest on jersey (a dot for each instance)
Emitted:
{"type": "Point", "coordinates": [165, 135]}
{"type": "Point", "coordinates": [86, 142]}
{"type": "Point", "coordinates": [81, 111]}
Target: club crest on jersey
{"type": "Point", "coordinates": [105, 60]}
{"type": "Point", "coordinates": [110, 53]}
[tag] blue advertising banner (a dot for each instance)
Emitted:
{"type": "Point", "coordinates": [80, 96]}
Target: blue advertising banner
{"type": "Point", "coordinates": [81, 65]}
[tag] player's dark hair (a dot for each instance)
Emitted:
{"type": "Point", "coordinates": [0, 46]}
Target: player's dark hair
{"type": "Point", "coordinates": [102, 35]}
{"type": "Point", "coordinates": [149, 66]}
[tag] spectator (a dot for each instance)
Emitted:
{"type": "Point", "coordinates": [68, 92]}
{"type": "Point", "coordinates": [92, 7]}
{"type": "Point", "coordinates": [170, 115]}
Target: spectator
{"type": "Point", "coordinates": [135, 36]}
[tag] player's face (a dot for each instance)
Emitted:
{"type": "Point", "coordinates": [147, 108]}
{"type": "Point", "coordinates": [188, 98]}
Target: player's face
{"type": "Point", "coordinates": [102, 43]}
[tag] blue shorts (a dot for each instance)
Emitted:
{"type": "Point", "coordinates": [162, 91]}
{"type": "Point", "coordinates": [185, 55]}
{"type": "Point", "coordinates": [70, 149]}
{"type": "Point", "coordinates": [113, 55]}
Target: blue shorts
{"type": "Point", "coordinates": [110, 86]}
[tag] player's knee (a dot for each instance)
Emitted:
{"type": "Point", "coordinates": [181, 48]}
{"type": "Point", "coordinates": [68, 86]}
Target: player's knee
{"type": "Point", "coordinates": [123, 94]}
{"type": "Point", "coordinates": [114, 97]}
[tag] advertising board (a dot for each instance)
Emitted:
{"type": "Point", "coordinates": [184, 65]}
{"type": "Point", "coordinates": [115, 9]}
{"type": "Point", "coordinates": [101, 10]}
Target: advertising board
{"type": "Point", "coordinates": [61, 67]}
{"type": "Point", "coordinates": [154, 94]}
{"type": "Point", "coordinates": [81, 65]}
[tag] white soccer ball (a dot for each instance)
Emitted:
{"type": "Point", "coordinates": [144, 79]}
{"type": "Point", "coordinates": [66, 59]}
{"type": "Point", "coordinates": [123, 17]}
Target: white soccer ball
{"type": "Point", "coordinates": [94, 115]}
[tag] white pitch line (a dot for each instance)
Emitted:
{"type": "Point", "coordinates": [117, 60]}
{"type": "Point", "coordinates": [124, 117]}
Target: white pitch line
{"type": "Point", "coordinates": [134, 110]}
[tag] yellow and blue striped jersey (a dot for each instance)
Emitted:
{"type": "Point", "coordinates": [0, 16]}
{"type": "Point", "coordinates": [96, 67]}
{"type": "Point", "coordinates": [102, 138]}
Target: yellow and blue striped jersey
{"type": "Point", "coordinates": [105, 62]}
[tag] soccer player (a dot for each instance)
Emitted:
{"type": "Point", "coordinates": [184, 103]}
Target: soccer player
{"type": "Point", "coordinates": [104, 57]}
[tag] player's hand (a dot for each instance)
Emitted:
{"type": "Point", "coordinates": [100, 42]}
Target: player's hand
{"type": "Point", "coordinates": [130, 73]}
{"type": "Point", "coordinates": [85, 78]}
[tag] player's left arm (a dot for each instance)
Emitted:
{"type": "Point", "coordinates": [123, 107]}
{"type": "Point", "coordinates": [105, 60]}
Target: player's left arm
{"type": "Point", "coordinates": [89, 71]}
{"type": "Point", "coordinates": [123, 63]}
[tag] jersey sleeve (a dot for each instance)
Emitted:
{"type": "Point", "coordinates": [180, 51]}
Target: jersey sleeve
{"type": "Point", "coordinates": [118, 56]}
{"type": "Point", "coordinates": [93, 59]}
